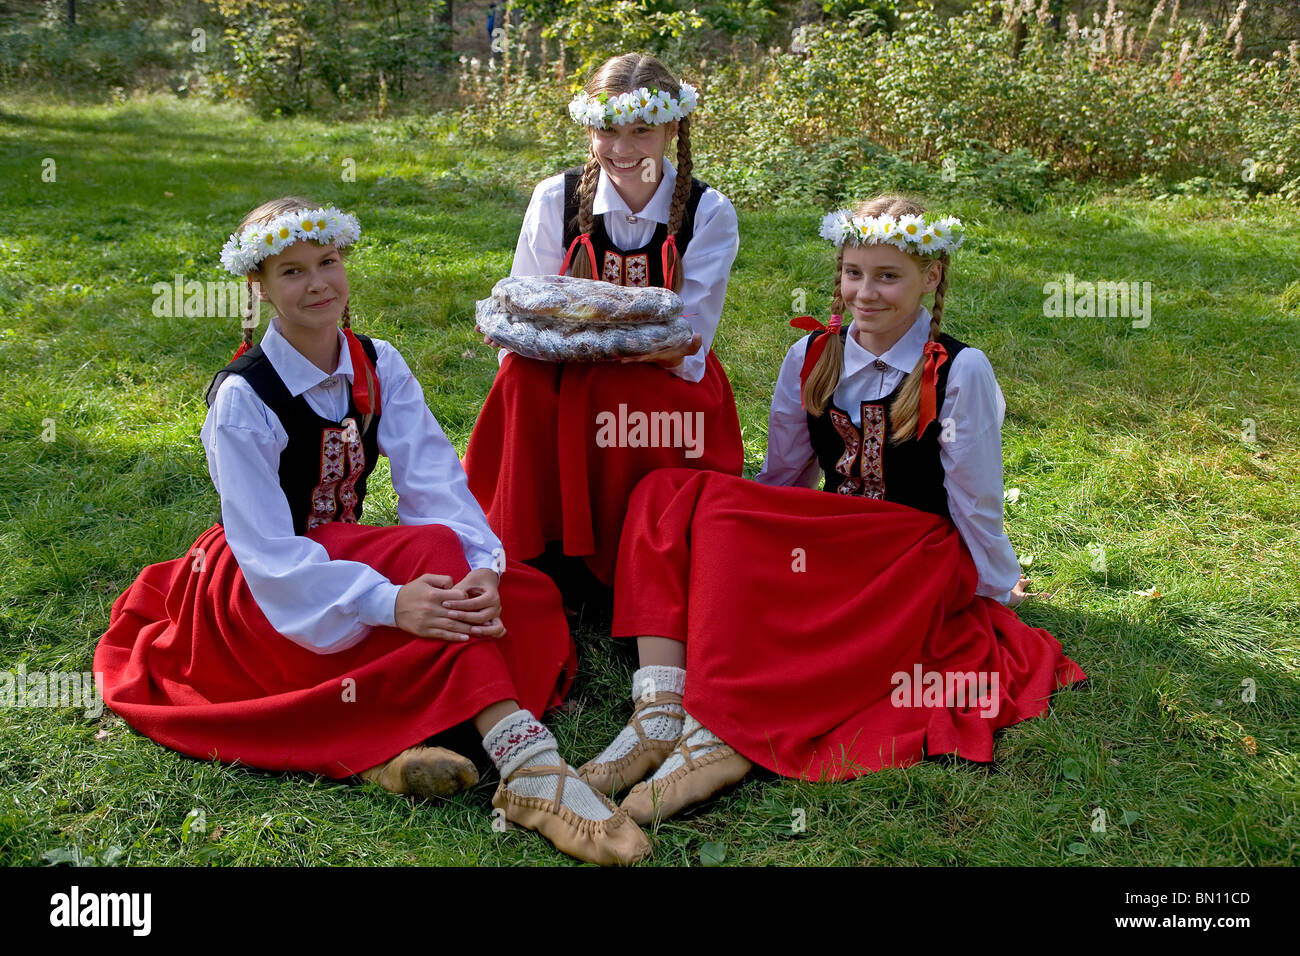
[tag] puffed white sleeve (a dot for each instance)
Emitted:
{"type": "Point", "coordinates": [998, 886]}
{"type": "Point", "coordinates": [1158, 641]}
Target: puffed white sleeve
{"type": "Point", "coordinates": [427, 474]}
{"type": "Point", "coordinates": [790, 458]}
{"type": "Point", "coordinates": [970, 449]}
{"type": "Point", "coordinates": [540, 249]}
{"type": "Point", "coordinates": [322, 604]}
{"type": "Point", "coordinates": [706, 267]}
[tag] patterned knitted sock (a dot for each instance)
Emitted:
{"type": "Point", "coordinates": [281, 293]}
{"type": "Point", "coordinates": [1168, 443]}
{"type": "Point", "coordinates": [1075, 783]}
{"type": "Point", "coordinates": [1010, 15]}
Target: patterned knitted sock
{"type": "Point", "coordinates": [693, 732]}
{"type": "Point", "coordinates": [520, 741]}
{"type": "Point", "coordinates": [648, 681]}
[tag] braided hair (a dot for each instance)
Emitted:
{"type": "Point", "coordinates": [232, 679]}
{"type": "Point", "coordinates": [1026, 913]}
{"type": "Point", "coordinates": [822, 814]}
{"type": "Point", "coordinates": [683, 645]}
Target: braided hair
{"type": "Point", "coordinates": [825, 374]}
{"type": "Point", "coordinates": [620, 74]}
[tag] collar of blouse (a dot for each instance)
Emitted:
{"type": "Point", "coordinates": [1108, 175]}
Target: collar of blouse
{"type": "Point", "coordinates": [902, 356]}
{"type": "Point", "coordinates": [298, 372]}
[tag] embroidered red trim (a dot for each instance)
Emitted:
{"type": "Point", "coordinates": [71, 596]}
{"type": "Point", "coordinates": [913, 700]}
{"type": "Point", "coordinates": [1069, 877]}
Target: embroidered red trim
{"type": "Point", "coordinates": [637, 270]}
{"type": "Point", "coordinates": [613, 271]}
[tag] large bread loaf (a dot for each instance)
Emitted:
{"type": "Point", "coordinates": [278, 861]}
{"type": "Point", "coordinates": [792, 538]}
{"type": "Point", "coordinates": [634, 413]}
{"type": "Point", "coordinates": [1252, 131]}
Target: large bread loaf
{"type": "Point", "coordinates": [569, 299]}
{"type": "Point", "coordinates": [565, 319]}
{"type": "Point", "coordinates": [567, 341]}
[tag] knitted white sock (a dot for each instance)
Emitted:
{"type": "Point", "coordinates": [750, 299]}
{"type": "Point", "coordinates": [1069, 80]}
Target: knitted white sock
{"type": "Point", "coordinates": [693, 732]}
{"type": "Point", "coordinates": [648, 681]}
{"type": "Point", "coordinates": [520, 741]}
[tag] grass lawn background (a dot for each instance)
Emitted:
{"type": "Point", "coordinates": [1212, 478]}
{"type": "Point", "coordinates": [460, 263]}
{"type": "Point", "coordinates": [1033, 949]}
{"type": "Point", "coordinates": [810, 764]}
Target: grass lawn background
{"type": "Point", "coordinates": [1119, 438]}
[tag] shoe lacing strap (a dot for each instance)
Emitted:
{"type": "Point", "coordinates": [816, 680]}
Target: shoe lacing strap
{"type": "Point", "coordinates": [686, 749]}
{"type": "Point", "coordinates": [562, 772]}
{"type": "Point", "coordinates": [642, 713]}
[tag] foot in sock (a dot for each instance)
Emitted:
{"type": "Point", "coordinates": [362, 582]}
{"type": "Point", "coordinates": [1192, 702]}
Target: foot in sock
{"type": "Point", "coordinates": [649, 736]}
{"type": "Point", "coordinates": [700, 766]}
{"type": "Point", "coordinates": [541, 792]}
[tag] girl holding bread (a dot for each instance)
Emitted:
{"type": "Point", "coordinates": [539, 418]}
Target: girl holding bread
{"type": "Point", "coordinates": [553, 482]}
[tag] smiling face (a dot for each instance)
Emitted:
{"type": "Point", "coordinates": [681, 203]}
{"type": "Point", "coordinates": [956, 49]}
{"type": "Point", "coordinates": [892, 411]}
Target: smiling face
{"type": "Point", "coordinates": [882, 288]}
{"type": "Point", "coordinates": [632, 155]}
{"type": "Point", "coordinates": [307, 284]}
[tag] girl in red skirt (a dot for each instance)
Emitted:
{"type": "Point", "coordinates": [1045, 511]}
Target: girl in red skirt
{"type": "Point", "coordinates": [828, 635]}
{"type": "Point", "coordinates": [291, 637]}
{"type": "Point", "coordinates": [536, 459]}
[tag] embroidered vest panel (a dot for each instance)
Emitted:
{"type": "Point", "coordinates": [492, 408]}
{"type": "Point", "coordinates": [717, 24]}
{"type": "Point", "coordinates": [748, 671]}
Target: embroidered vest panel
{"type": "Point", "coordinates": [323, 469]}
{"type": "Point", "coordinates": [861, 460]}
{"type": "Point", "coordinates": [637, 267]}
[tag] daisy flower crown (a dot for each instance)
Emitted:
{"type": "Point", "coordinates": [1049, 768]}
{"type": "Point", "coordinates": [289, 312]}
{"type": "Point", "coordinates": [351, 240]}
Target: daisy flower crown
{"type": "Point", "coordinates": [651, 106]}
{"type": "Point", "coordinates": [245, 251]}
{"type": "Point", "coordinates": [908, 233]}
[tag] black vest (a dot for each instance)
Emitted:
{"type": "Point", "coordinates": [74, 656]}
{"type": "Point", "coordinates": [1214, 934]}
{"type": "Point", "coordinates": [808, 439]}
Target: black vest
{"type": "Point", "coordinates": [638, 267]}
{"type": "Point", "coordinates": [323, 469]}
{"type": "Point", "coordinates": [861, 460]}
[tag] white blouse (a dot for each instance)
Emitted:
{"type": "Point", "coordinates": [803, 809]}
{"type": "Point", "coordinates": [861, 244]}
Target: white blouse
{"type": "Point", "coordinates": [970, 448]}
{"type": "Point", "coordinates": [327, 605]}
{"type": "Point", "coordinates": [706, 266]}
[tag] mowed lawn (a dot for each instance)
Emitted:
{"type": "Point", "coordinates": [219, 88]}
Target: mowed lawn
{"type": "Point", "coordinates": [1156, 471]}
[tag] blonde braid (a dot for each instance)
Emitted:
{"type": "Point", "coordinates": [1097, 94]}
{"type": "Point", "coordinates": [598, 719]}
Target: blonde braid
{"type": "Point", "coordinates": [580, 264]}
{"type": "Point", "coordinates": [346, 322]}
{"type": "Point", "coordinates": [906, 409]}
{"type": "Point", "coordinates": [681, 193]}
{"type": "Point", "coordinates": [825, 375]}
{"type": "Point", "coordinates": [256, 304]}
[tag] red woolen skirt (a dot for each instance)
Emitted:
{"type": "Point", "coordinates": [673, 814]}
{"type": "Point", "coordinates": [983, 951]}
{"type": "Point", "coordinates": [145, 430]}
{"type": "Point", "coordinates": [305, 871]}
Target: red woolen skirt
{"type": "Point", "coordinates": [192, 662]}
{"type": "Point", "coordinates": [827, 636]}
{"type": "Point", "coordinates": [543, 469]}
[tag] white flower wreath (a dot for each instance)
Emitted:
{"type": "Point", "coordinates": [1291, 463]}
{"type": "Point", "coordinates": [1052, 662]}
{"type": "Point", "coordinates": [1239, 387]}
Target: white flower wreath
{"type": "Point", "coordinates": [244, 252]}
{"type": "Point", "coordinates": [653, 107]}
{"type": "Point", "coordinates": [908, 233]}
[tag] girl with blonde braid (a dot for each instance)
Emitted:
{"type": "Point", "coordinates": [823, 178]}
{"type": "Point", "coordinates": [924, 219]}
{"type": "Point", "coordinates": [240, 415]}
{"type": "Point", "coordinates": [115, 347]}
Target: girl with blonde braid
{"type": "Point", "coordinates": [293, 637]}
{"type": "Point", "coordinates": [829, 633]}
{"type": "Point", "coordinates": [552, 490]}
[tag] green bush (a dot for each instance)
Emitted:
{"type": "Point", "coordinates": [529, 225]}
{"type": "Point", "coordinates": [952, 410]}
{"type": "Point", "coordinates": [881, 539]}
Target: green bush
{"type": "Point", "coordinates": [992, 97]}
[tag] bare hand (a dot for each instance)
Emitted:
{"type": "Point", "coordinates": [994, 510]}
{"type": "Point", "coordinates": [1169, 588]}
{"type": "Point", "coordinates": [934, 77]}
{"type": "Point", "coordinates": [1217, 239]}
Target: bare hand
{"type": "Point", "coordinates": [1020, 593]}
{"type": "Point", "coordinates": [481, 606]}
{"type": "Point", "coordinates": [419, 609]}
{"type": "Point", "coordinates": [669, 358]}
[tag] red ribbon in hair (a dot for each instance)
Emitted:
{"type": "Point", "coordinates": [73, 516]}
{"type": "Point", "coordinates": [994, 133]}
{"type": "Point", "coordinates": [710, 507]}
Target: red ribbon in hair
{"type": "Point", "coordinates": [935, 355]}
{"type": "Point", "coordinates": [365, 382]}
{"type": "Point", "coordinates": [585, 239]}
{"type": "Point", "coordinates": [243, 347]}
{"type": "Point", "coordinates": [669, 265]}
{"type": "Point", "coordinates": [817, 347]}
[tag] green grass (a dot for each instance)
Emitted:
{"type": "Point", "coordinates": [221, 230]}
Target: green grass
{"type": "Point", "coordinates": [1118, 438]}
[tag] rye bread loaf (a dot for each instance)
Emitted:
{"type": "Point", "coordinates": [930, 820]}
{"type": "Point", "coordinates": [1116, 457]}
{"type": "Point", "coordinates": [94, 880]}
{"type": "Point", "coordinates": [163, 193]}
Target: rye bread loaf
{"type": "Point", "coordinates": [567, 341]}
{"type": "Point", "coordinates": [569, 299]}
